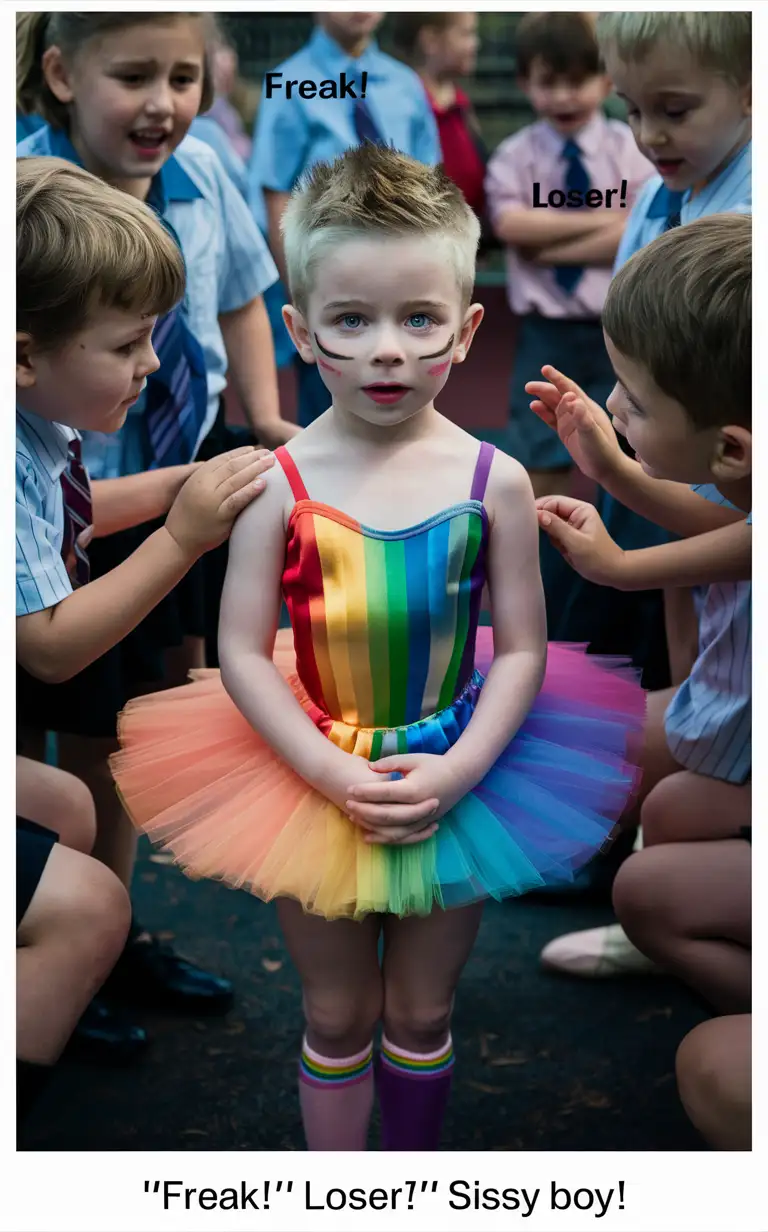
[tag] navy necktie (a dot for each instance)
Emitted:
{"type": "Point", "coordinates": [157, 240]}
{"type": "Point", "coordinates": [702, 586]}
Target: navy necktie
{"type": "Point", "coordinates": [78, 515]}
{"type": "Point", "coordinates": [576, 179]}
{"type": "Point", "coordinates": [177, 394]}
{"type": "Point", "coordinates": [672, 221]}
{"type": "Point", "coordinates": [365, 126]}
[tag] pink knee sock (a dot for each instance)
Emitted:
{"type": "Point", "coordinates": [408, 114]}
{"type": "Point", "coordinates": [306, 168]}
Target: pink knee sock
{"type": "Point", "coordinates": [413, 1094]}
{"type": "Point", "coordinates": [336, 1097]}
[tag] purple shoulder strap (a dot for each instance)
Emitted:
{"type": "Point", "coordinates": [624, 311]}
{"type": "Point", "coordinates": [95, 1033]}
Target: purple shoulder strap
{"type": "Point", "coordinates": [482, 470]}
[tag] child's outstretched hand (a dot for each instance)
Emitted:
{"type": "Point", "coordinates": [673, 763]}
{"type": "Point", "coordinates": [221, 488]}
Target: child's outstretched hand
{"type": "Point", "coordinates": [204, 512]}
{"type": "Point", "coordinates": [577, 531]}
{"type": "Point", "coordinates": [398, 810]}
{"type": "Point", "coordinates": [583, 427]}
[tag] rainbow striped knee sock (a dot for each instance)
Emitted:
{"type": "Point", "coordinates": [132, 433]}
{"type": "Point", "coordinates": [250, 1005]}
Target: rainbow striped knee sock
{"type": "Point", "coordinates": [413, 1093]}
{"type": "Point", "coordinates": [336, 1097]}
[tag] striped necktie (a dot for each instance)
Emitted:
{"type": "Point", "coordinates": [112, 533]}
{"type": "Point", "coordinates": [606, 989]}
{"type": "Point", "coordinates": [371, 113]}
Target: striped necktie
{"type": "Point", "coordinates": [176, 399]}
{"type": "Point", "coordinates": [576, 179]}
{"type": "Point", "coordinates": [78, 515]}
{"type": "Point", "coordinates": [177, 394]}
{"type": "Point", "coordinates": [365, 126]}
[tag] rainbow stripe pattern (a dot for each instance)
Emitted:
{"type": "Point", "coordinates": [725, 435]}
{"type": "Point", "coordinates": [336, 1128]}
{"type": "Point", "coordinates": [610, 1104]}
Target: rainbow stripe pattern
{"type": "Point", "coordinates": [430, 1065]}
{"type": "Point", "coordinates": [386, 657]}
{"type": "Point", "coordinates": [327, 1072]}
{"type": "Point", "coordinates": [384, 622]}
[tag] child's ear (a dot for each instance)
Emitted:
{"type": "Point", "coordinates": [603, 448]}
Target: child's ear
{"type": "Point", "coordinates": [472, 319]}
{"type": "Point", "coordinates": [56, 75]}
{"type": "Point", "coordinates": [298, 329]}
{"type": "Point", "coordinates": [746, 99]}
{"type": "Point", "coordinates": [607, 85]}
{"type": "Point", "coordinates": [25, 366]}
{"type": "Point", "coordinates": [733, 455]}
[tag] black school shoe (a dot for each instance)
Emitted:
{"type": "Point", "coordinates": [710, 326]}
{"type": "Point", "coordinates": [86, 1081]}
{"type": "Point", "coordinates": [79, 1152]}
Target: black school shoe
{"type": "Point", "coordinates": [104, 1036]}
{"type": "Point", "coordinates": [151, 974]}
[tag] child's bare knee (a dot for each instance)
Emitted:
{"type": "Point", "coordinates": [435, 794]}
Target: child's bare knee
{"type": "Point", "coordinates": [416, 1023]}
{"type": "Point", "coordinates": [338, 1019]}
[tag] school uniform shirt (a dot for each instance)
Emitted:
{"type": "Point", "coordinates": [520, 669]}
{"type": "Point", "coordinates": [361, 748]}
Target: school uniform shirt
{"type": "Point", "coordinates": [535, 156]}
{"type": "Point", "coordinates": [42, 448]}
{"type": "Point", "coordinates": [463, 153]}
{"type": "Point", "coordinates": [292, 134]}
{"type": "Point", "coordinates": [729, 193]}
{"type": "Point", "coordinates": [228, 265]}
{"type": "Point", "coordinates": [708, 723]}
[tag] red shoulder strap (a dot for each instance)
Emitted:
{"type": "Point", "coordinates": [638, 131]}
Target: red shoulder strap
{"type": "Point", "coordinates": [291, 473]}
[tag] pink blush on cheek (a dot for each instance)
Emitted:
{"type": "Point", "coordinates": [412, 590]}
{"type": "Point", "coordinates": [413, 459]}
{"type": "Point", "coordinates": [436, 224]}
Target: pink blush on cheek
{"type": "Point", "coordinates": [439, 369]}
{"type": "Point", "coordinates": [329, 367]}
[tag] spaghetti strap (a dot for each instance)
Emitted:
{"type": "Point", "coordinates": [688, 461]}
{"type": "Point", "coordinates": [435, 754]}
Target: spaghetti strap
{"type": "Point", "coordinates": [291, 473]}
{"type": "Point", "coordinates": [482, 471]}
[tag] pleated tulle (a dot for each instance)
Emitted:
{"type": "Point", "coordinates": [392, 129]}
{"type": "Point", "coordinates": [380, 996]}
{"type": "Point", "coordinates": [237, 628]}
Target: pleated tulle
{"type": "Point", "coordinates": [198, 780]}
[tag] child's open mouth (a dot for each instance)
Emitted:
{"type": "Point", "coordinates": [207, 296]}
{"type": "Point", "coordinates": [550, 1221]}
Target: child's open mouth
{"type": "Point", "coordinates": [668, 166]}
{"type": "Point", "coordinates": [386, 393]}
{"type": "Point", "coordinates": [148, 142]}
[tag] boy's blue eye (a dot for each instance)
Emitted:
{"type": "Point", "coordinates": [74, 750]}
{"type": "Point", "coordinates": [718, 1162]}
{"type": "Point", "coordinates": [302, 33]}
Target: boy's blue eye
{"type": "Point", "coordinates": [350, 320]}
{"type": "Point", "coordinates": [419, 320]}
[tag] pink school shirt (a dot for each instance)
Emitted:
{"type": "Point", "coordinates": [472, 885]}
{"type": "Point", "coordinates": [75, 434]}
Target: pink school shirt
{"type": "Point", "coordinates": [534, 155]}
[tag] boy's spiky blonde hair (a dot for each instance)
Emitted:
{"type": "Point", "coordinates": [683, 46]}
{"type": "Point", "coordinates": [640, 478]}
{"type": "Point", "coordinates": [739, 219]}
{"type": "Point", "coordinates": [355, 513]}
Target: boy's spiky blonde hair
{"type": "Point", "coordinates": [81, 246]}
{"type": "Point", "coordinates": [718, 41]}
{"type": "Point", "coordinates": [371, 192]}
{"type": "Point", "coordinates": [682, 307]}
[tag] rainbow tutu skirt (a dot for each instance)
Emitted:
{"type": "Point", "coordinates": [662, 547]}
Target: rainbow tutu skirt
{"type": "Point", "coordinates": [199, 781]}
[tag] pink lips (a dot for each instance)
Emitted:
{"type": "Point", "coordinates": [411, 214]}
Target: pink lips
{"type": "Point", "coordinates": [386, 395]}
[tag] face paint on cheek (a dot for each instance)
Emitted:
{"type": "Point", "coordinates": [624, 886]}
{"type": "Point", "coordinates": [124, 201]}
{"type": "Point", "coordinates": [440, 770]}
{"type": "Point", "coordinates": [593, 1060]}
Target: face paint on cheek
{"type": "Point", "coordinates": [439, 369]}
{"type": "Point", "coordinates": [443, 351]}
{"type": "Point", "coordinates": [330, 354]}
{"type": "Point", "coordinates": [323, 363]}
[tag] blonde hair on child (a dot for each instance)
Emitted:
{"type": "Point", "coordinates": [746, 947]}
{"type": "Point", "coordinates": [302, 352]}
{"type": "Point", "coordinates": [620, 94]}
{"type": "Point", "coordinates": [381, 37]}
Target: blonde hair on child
{"type": "Point", "coordinates": [718, 41]}
{"type": "Point", "coordinates": [82, 246]}
{"type": "Point", "coordinates": [373, 192]}
{"type": "Point", "coordinates": [682, 308]}
{"type": "Point", "coordinates": [71, 32]}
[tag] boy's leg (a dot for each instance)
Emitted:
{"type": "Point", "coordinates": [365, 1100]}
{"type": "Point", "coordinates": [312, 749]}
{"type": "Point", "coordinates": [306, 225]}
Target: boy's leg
{"type": "Point", "coordinates": [688, 807]}
{"type": "Point", "coordinates": [57, 800]}
{"type": "Point", "coordinates": [147, 973]}
{"type": "Point", "coordinates": [530, 441]}
{"type": "Point", "coordinates": [72, 928]}
{"type": "Point", "coordinates": [423, 960]}
{"type": "Point", "coordinates": [688, 907]}
{"type": "Point", "coordinates": [338, 964]}
{"type": "Point", "coordinates": [714, 1080]}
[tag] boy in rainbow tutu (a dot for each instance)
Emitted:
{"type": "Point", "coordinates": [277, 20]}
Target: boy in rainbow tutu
{"type": "Point", "coordinates": [384, 766]}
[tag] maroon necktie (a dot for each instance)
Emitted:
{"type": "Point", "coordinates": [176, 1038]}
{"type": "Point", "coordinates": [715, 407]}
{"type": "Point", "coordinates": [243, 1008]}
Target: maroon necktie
{"type": "Point", "coordinates": [78, 515]}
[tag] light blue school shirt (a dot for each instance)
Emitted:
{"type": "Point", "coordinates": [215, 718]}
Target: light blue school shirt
{"type": "Point", "coordinates": [206, 129]}
{"type": "Point", "coordinates": [293, 134]}
{"type": "Point", "coordinates": [42, 449]}
{"type": "Point", "coordinates": [228, 265]}
{"type": "Point", "coordinates": [730, 192]}
{"type": "Point", "coordinates": [708, 723]}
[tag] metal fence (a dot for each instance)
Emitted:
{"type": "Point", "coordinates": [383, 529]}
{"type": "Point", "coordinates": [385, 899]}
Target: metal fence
{"type": "Point", "coordinates": [263, 40]}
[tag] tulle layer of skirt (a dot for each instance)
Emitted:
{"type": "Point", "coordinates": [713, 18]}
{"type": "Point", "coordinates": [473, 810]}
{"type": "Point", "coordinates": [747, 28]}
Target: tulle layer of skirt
{"type": "Point", "coordinates": [198, 780]}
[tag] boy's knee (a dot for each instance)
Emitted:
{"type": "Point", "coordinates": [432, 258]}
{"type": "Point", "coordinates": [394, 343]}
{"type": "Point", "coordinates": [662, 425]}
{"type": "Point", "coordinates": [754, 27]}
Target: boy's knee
{"type": "Point", "coordinates": [661, 807]}
{"type": "Point", "coordinates": [417, 1025]}
{"type": "Point", "coordinates": [716, 1102]}
{"type": "Point", "coordinates": [636, 897]}
{"type": "Point", "coordinates": [76, 813]}
{"type": "Point", "coordinates": [92, 907]}
{"type": "Point", "coordinates": [340, 1018]}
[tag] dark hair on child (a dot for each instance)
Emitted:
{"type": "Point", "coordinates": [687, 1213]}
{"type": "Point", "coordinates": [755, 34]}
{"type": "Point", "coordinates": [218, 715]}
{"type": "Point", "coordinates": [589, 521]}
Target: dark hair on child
{"type": "Point", "coordinates": [406, 28]}
{"type": "Point", "coordinates": [565, 42]}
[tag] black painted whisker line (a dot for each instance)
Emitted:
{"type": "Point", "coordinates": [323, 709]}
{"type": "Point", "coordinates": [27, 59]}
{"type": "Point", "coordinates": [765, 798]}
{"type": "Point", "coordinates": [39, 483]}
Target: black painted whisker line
{"type": "Point", "coordinates": [437, 354]}
{"type": "Point", "coordinates": [330, 354]}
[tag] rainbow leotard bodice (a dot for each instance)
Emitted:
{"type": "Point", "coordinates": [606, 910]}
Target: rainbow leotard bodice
{"type": "Point", "coordinates": [385, 656]}
{"type": "Point", "coordinates": [384, 622]}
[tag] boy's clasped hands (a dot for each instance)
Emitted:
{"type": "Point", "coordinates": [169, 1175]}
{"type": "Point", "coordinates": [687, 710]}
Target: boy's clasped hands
{"type": "Point", "coordinates": [574, 526]}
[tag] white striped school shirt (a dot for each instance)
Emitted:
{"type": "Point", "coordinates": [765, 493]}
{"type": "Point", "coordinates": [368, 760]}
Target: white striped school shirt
{"type": "Point", "coordinates": [708, 723]}
{"type": "Point", "coordinates": [42, 449]}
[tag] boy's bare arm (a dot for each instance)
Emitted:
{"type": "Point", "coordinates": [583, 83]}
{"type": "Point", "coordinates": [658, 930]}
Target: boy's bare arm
{"type": "Point", "coordinates": [529, 228]}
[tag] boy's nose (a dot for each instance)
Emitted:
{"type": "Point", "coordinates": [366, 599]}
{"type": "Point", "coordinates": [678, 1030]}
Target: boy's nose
{"type": "Point", "coordinates": [150, 362]}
